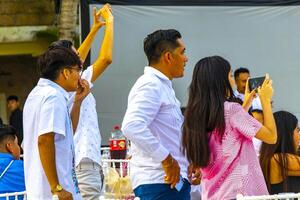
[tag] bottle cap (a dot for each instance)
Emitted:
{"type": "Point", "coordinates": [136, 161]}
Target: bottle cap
{"type": "Point", "coordinates": [116, 127]}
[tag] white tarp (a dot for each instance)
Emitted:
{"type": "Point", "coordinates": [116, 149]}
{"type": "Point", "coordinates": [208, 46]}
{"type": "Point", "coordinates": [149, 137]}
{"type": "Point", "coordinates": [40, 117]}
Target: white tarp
{"type": "Point", "coordinates": [263, 39]}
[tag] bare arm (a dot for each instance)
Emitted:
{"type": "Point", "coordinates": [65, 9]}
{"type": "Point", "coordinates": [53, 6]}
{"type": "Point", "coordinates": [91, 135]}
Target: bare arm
{"type": "Point", "coordinates": [85, 47]}
{"type": "Point", "coordinates": [105, 55]}
{"type": "Point", "coordinates": [75, 114]}
{"type": "Point", "coordinates": [47, 155]}
{"type": "Point", "coordinates": [249, 96]}
{"type": "Point", "coordinates": [268, 132]}
{"type": "Point", "coordinates": [82, 91]}
{"type": "Point", "coordinates": [46, 147]}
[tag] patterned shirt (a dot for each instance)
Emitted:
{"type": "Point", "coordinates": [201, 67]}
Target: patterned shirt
{"type": "Point", "coordinates": [87, 138]}
{"type": "Point", "coordinates": [234, 167]}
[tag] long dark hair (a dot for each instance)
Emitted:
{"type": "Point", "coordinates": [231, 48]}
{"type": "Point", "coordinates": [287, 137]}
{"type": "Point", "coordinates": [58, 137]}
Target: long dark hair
{"type": "Point", "coordinates": [208, 91]}
{"type": "Point", "coordinates": [286, 124]}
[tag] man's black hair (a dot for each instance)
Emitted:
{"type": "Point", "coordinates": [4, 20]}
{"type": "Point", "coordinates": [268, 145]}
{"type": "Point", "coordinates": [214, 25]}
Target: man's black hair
{"type": "Point", "coordinates": [7, 132]}
{"type": "Point", "coordinates": [61, 43]}
{"type": "Point", "coordinates": [239, 71]}
{"type": "Point", "coordinates": [160, 41]}
{"type": "Point", "coordinates": [55, 59]}
{"type": "Point", "coordinates": [12, 97]}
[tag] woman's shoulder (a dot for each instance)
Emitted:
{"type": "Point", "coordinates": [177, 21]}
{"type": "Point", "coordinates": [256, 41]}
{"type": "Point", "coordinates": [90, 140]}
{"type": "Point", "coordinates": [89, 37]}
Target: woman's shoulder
{"type": "Point", "coordinates": [293, 159]}
{"type": "Point", "coordinates": [232, 107]}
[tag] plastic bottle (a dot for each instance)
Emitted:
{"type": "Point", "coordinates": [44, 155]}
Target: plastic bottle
{"type": "Point", "coordinates": [118, 145]}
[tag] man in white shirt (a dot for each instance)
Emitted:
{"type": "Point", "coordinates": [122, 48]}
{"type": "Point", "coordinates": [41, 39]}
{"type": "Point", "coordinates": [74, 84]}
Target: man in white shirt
{"type": "Point", "coordinates": [49, 162]}
{"type": "Point", "coordinates": [153, 121]}
{"type": "Point", "coordinates": [87, 138]}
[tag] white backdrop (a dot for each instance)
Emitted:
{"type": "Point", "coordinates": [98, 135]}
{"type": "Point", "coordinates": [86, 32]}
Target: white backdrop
{"type": "Point", "coordinates": [263, 39]}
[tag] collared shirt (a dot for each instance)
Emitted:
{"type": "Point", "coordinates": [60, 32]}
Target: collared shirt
{"type": "Point", "coordinates": [256, 105]}
{"type": "Point", "coordinates": [13, 179]}
{"type": "Point", "coordinates": [87, 138]}
{"type": "Point", "coordinates": [46, 111]}
{"type": "Point", "coordinates": [153, 122]}
{"type": "Point", "coordinates": [233, 167]}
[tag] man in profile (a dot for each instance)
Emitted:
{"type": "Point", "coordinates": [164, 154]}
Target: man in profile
{"type": "Point", "coordinates": [153, 121]}
{"type": "Point", "coordinates": [87, 138]}
{"type": "Point", "coordinates": [49, 161]}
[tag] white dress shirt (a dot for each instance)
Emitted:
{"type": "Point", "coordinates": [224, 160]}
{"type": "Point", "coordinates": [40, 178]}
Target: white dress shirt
{"type": "Point", "coordinates": [46, 111]}
{"type": "Point", "coordinates": [87, 138]}
{"type": "Point", "coordinates": [153, 122]}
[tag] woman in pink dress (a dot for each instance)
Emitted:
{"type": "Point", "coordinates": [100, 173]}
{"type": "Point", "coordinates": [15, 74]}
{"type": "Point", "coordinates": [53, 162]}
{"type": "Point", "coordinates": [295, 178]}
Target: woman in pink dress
{"type": "Point", "coordinates": [217, 132]}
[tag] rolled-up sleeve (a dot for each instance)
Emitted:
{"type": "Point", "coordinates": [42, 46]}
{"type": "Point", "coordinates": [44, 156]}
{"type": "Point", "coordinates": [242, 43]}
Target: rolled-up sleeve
{"type": "Point", "coordinates": [144, 103]}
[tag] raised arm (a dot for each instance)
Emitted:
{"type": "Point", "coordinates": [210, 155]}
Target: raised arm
{"type": "Point", "coordinates": [249, 96]}
{"type": "Point", "coordinates": [82, 91]}
{"type": "Point", "coordinates": [84, 48]}
{"type": "Point", "coordinates": [105, 53]}
{"type": "Point", "coordinates": [268, 132]}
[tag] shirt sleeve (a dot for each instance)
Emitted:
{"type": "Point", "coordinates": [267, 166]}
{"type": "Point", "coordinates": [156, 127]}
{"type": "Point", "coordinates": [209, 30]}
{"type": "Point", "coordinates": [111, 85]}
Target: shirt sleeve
{"type": "Point", "coordinates": [143, 105]}
{"type": "Point", "coordinates": [53, 116]}
{"type": "Point", "coordinates": [244, 123]}
{"type": "Point", "coordinates": [87, 75]}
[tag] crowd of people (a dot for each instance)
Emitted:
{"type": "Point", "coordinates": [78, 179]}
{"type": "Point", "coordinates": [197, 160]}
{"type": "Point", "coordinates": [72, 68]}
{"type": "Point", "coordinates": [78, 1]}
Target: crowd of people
{"type": "Point", "coordinates": [227, 140]}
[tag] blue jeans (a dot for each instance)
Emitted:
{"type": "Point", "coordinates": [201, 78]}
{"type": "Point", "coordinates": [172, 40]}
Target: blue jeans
{"type": "Point", "coordinates": [162, 191]}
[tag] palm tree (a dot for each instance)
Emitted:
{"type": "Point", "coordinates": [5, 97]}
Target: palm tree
{"type": "Point", "coordinates": [68, 19]}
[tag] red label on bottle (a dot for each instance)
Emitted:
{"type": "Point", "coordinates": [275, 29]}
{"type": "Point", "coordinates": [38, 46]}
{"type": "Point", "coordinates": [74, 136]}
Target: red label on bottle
{"type": "Point", "coordinates": [117, 145]}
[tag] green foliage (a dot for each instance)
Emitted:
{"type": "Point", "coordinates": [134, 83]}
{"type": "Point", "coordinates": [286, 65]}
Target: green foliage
{"type": "Point", "coordinates": [51, 34]}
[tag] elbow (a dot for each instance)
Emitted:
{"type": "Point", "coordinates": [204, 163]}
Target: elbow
{"type": "Point", "coordinates": [129, 130]}
{"type": "Point", "coordinates": [273, 139]}
{"type": "Point", "coordinates": [41, 140]}
{"type": "Point", "coordinates": [45, 139]}
{"type": "Point", "coordinates": [107, 60]}
{"type": "Point", "coordinates": [103, 62]}
{"type": "Point", "coordinates": [126, 132]}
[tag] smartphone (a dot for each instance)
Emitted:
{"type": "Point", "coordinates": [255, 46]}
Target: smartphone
{"type": "Point", "coordinates": [256, 82]}
{"type": "Point", "coordinates": [179, 185]}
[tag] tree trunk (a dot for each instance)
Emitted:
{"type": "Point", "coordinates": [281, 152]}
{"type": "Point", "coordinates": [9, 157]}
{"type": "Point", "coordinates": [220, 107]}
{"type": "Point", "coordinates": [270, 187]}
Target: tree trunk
{"type": "Point", "coordinates": [68, 19]}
